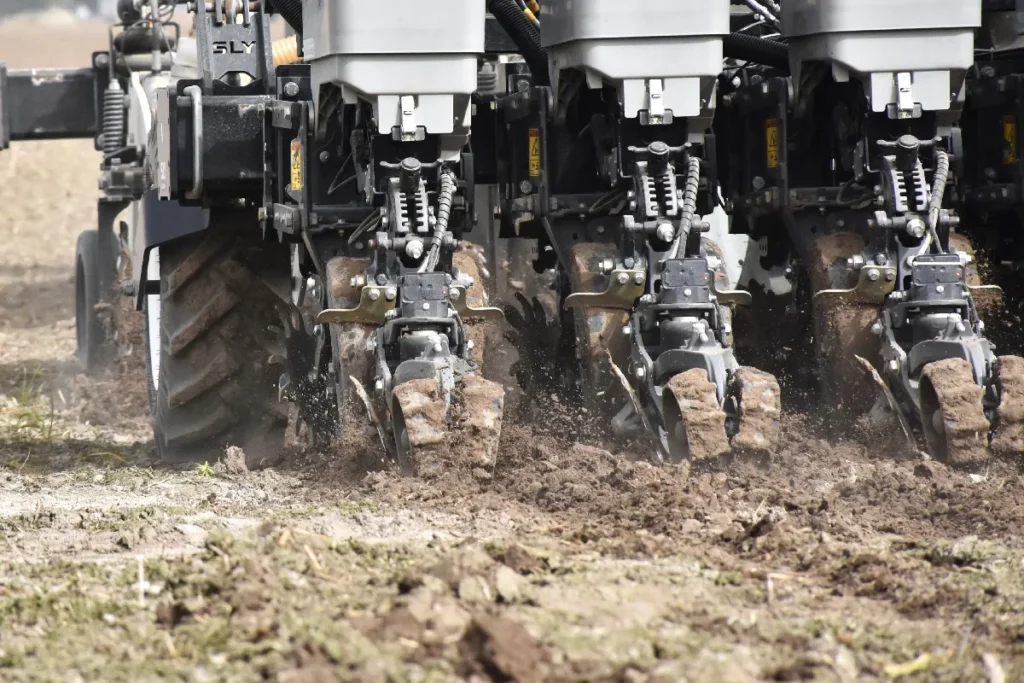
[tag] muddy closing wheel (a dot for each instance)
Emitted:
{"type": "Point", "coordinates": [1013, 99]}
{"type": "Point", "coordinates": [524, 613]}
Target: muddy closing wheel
{"type": "Point", "coordinates": [952, 414]}
{"type": "Point", "coordinates": [694, 421]}
{"type": "Point", "coordinates": [419, 416]}
{"type": "Point", "coordinates": [433, 432]}
{"type": "Point", "coordinates": [758, 409]}
{"type": "Point", "coordinates": [1008, 435]}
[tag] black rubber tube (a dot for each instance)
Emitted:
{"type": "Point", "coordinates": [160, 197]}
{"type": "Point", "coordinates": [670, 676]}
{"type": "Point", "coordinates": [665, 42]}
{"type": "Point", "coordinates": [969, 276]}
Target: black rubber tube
{"type": "Point", "coordinates": [757, 50]}
{"type": "Point", "coordinates": [290, 11]}
{"type": "Point", "coordinates": [525, 35]}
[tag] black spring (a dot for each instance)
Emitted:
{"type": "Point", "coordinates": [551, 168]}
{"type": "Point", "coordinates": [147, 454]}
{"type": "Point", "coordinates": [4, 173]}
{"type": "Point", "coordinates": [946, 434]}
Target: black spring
{"type": "Point", "coordinates": [113, 119]}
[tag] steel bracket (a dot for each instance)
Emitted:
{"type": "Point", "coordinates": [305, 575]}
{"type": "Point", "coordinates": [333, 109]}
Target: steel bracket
{"type": "Point", "coordinates": [867, 290]}
{"type": "Point", "coordinates": [624, 288]}
{"type": "Point", "coordinates": [457, 297]}
{"type": "Point", "coordinates": [372, 310]}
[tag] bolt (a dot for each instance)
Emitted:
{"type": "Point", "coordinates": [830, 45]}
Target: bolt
{"type": "Point", "coordinates": [855, 262]}
{"type": "Point", "coordinates": [873, 275]}
{"type": "Point", "coordinates": [291, 89]}
{"type": "Point", "coordinates": [379, 385]}
{"type": "Point", "coordinates": [893, 366]}
{"type": "Point", "coordinates": [390, 293]}
{"type": "Point", "coordinates": [526, 187]}
{"type": "Point", "coordinates": [622, 278]}
{"type": "Point", "coordinates": [666, 232]}
{"type": "Point", "coordinates": [414, 248]}
{"type": "Point", "coordinates": [470, 344]}
{"type": "Point", "coordinates": [640, 372]}
{"type": "Point", "coordinates": [630, 262]}
{"type": "Point", "coordinates": [426, 306]}
{"type": "Point", "coordinates": [876, 328]}
{"type": "Point", "coordinates": [626, 330]}
{"type": "Point", "coordinates": [128, 287]}
{"type": "Point", "coordinates": [687, 292]}
{"type": "Point", "coordinates": [916, 228]}
{"type": "Point", "coordinates": [325, 155]}
{"type": "Point", "coordinates": [890, 275]}
{"type": "Point", "coordinates": [374, 294]}
{"type": "Point", "coordinates": [940, 289]}
{"type": "Point", "coordinates": [600, 229]}
{"type": "Point", "coordinates": [382, 279]}
{"type": "Point", "coordinates": [638, 278]}
{"type": "Point", "coordinates": [454, 294]}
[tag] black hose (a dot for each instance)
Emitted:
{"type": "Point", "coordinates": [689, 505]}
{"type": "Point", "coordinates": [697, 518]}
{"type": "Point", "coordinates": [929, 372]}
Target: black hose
{"type": "Point", "coordinates": [525, 35]}
{"type": "Point", "coordinates": [290, 11]}
{"type": "Point", "coordinates": [757, 50]}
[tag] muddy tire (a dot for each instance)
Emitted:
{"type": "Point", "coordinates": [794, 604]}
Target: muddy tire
{"type": "Point", "coordinates": [94, 351]}
{"type": "Point", "coordinates": [218, 296]}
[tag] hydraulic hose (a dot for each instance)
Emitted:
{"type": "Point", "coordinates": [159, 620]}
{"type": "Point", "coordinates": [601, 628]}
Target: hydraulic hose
{"type": "Point", "coordinates": [939, 179]}
{"type": "Point", "coordinates": [689, 206]}
{"type": "Point", "coordinates": [525, 35]}
{"type": "Point", "coordinates": [757, 50]}
{"type": "Point", "coordinates": [445, 197]}
{"type": "Point", "coordinates": [291, 11]}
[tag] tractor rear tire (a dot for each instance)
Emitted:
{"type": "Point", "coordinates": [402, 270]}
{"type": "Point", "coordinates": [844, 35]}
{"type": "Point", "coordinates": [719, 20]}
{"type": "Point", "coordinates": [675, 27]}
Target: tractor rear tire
{"type": "Point", "coordinates": [219, 294]}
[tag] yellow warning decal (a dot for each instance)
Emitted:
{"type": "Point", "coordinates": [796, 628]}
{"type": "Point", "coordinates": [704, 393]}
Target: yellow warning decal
{"type": "Point", "coordinates": [296, 166]}
{"type": "Point", "coordinates": [1010, 140]}
{"type": "Point", "coordinates": [772, 141]}
{"type": "Point", "coordinates": [534, 153]}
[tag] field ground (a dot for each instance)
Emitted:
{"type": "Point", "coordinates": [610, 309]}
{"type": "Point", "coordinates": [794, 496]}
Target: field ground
{"type": "Point", "coordinates": [566, 562]}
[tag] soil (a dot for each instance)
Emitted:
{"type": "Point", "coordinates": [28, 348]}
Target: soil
{"type": "Point", "coordinates": [562, 560]}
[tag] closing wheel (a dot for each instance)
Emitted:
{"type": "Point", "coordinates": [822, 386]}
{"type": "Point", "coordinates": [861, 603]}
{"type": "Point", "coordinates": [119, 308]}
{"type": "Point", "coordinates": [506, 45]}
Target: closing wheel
{"type": "Point", "coordinates": [94, 353]}
{"type": "Point", "coordinates": [694, 421]}
{"type": "Point", "coordinates": [1008, 435]}
{"type": "Point", "coordinates": [419, 416]}
{"type": "Point", "coordinates": [758, 410]}
{"type": "Point", "coordinates": [952, 414]}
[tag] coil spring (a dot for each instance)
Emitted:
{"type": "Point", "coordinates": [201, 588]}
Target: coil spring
{"type": "Point", "coordinates": [113, 119]}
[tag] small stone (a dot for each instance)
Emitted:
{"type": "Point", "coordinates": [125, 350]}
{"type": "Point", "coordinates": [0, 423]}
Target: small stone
{"type": "Point", "coordinates": [507, 583]}
{"type": "Point", "coordinates": [475, 589]}
{"type": "Point", "coordinates": [480, 474]}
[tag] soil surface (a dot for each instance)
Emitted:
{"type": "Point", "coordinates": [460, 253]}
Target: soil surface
{"type": "Point", "coordinates": [561, 561]}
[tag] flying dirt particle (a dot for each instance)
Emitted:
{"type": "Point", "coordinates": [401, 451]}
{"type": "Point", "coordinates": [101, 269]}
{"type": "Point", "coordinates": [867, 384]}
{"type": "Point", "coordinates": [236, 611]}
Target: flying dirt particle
{"type": "Point", "coordinates": [234, 460]}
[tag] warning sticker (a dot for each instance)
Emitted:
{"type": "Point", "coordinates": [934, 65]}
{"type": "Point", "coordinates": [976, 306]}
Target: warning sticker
{"type": "Point", "coordinates": [1009, 140]}
{"type": "Point", "coordinates": [296, 166]}
{"type": "Point", "coordinates": [534, 153]}
{"type": "Point", "coordinates": [772, 142]}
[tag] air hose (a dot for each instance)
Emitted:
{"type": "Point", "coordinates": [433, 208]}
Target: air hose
{"type": "Point", "coordinates": [689, 206]}
{"type": "Point", "coordinates": [445, 197]}
{"type": "Point", "coordinates": [525, 35]}
{"type": "Point", "coordinates": [757, 50]}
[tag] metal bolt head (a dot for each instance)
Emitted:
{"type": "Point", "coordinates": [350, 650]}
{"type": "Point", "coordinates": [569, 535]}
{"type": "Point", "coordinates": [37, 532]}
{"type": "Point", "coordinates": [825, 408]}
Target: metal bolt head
{"type": "Point", "coordinates": [876, 328]}
{"type": "Point", "coordinates": [856, 262]}
{"type": "Point", "coordinates": [526, 187]}
{"type": "Point", "coordinates": [426, 306]}
{"type": "Point", "coordinates": [414, 248]}
{"type": "Point", "coordinates": [470, 344]}
{"type": "Point", "coordinates": [622, 278]}
{"type": "Point", "coordinates": [687, 292]}
{"type": "Point", "coordinates": [382, 279]}
{"type": "Point", "coordinates": [893, 366]}
{"type": "Point", "coordinates": [916, 228]}
{"type": "Point", "coordinates": [626, 330]}
{"type": "Point", "coordinates": [374, 294]}
{"type": "Point", "coordinates": [873, 275]}
{"type": "Point", "coordinates": [640, 373]}
{"type": "Point", "coordinates": [639, 278]}
{"type": "Point", "coordinates": [325, 155]}
{"type": "Point", "coordinates": [379, 385]}
{"type": "Point", "coordinates": [940, 289]}
{"type": "Point", "coordinates": [390, 293]}
{"type": "Point", "coordinates": [454, 293]}
{"type": "Point", "coordinates": [666, 232]}
{"type": "Point", "coordinates": [291, 89]}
